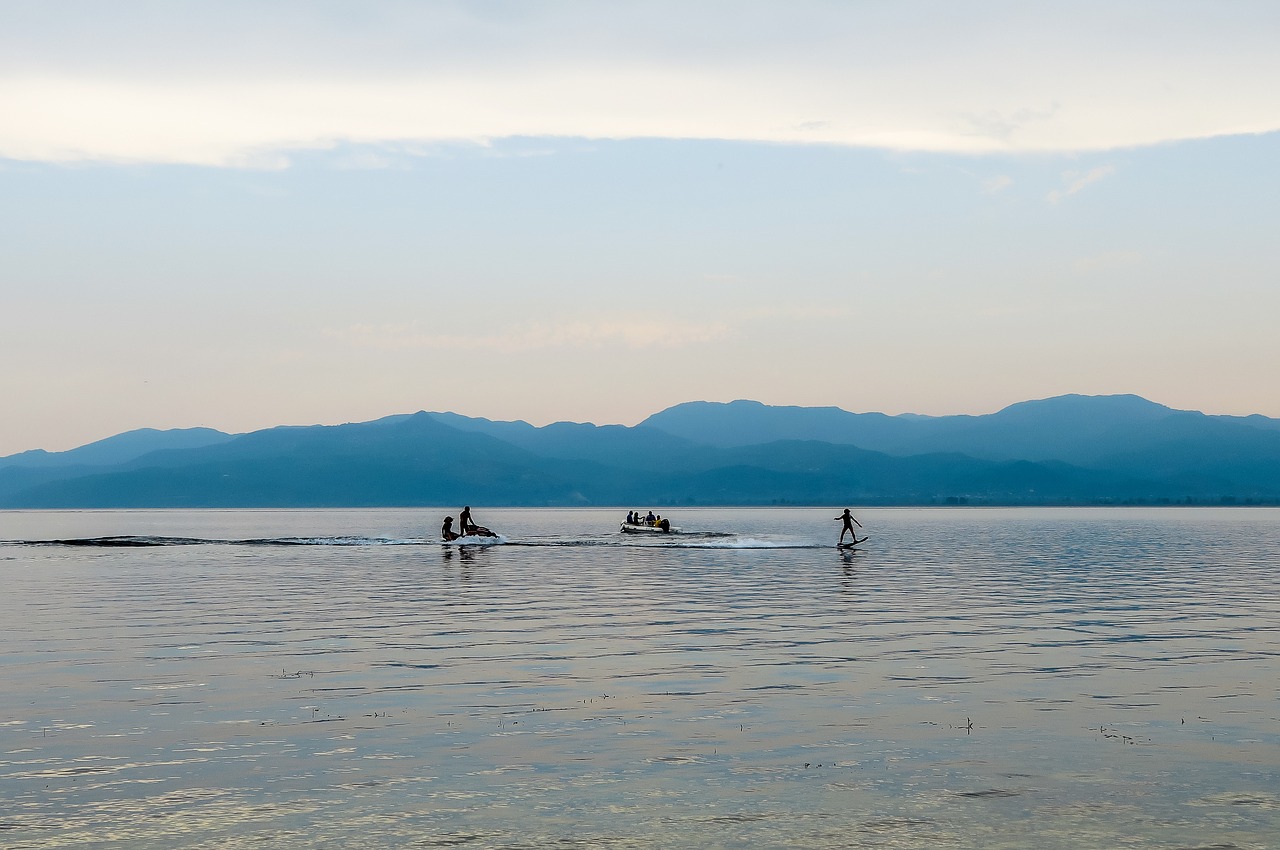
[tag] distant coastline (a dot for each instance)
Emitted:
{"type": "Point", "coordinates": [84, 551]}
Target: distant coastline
{"type": "Point", "coordinates": [1064, 451]}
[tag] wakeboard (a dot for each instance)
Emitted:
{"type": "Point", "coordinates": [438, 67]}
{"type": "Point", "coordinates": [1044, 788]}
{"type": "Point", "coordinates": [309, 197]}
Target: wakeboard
{"type": "Point", "coordinates": [856, 542]}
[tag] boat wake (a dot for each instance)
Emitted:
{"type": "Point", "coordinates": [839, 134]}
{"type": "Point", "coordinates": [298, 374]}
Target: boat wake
{"type": "Point", "coordinates": [476, 540]}
{"type": "Point", "coordinates": [684, 541]}
{"type": "Point", "coordinates": [139, 541]}
{"type": "Point", "coordinates": [749, 543]}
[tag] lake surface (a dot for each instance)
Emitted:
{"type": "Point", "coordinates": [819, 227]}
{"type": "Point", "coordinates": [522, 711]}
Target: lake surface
{"type": "Point", "coordinates": [968, 678]}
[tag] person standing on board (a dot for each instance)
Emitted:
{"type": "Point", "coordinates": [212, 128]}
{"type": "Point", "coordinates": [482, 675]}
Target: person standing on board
{"type": "Point", "coordinates": [464, 521]}
{"type": "Point", "coordinates": [849, 522]}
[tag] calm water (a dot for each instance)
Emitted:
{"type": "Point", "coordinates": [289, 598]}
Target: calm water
{"type": "Point", "coordinates": [970, 678]}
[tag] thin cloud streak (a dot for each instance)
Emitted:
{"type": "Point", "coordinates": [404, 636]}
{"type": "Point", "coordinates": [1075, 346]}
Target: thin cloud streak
{"type": "Point", "coordinates": [1077, 181]}
{"type": "Point", "coordinates": [971, 79]}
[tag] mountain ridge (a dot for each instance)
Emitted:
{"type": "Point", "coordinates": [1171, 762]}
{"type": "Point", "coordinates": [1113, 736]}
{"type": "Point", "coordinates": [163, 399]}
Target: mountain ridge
{"type": "Point", "coordinates": [1070, 449]}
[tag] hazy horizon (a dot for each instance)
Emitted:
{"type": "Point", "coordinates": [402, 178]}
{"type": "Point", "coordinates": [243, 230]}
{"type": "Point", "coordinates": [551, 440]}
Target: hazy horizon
{"type": "Point", "coordinates": [236, 216]}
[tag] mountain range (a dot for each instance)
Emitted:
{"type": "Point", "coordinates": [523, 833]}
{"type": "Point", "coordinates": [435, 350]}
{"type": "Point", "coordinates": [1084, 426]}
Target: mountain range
{"type": "Point", "coordinates": [1072, 449]}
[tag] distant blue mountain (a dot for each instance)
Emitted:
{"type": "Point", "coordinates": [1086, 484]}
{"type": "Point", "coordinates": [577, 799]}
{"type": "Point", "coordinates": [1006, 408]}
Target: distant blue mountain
{"type": "Point", "coordinates": [617, 445]}
{"type": "Point", "coordinates": [1065, 450]}
{"type": "Point", "coordinates": [33, 468]}
{"type": "Point", "coordinates": [749, 423]}
{"type": "Point", "coordinates": [1084, 430]}
{"type": "Point", "coordinates": [402, 460]}
{"type": "Point", "coordinates": [121, 448]}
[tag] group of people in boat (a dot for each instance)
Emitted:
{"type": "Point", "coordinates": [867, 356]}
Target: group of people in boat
{"type": "Point", "coordinates": [650, 520]}
{"type": "Point", "coordinates": [466, 528]}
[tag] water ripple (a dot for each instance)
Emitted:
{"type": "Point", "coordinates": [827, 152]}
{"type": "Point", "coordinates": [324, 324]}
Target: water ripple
{"type": "Point", "coordinates": [969, 679]}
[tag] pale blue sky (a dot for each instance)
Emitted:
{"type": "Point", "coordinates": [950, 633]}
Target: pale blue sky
{"type": "Point", "coordinates": [212, 214]}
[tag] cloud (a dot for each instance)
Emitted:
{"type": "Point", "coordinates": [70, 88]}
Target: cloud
{"type": "Point", "coordinates": [1076, 181]}
{"type": "Point", "coordinates": [241, 84]}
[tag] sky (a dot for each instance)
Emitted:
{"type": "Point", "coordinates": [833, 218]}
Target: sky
{"type": "Point", "coordinates": [245, 214]}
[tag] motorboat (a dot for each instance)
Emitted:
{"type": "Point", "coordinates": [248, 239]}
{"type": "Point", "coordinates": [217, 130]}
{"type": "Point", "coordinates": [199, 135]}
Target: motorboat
{"type": "Point", "coordinates": [646, 528]}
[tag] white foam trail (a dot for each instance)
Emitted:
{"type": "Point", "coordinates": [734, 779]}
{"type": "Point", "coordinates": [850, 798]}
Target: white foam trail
{"type": "Point", "coordinates": [336, 541]}
{"type": "Point", "coordinates": [748, 543]}
{"type": "Point", "coordinates": [476, 540]}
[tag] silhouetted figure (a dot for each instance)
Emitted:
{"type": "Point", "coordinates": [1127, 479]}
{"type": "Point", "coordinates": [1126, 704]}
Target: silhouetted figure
{"type": "Point", "coordinates": [446, 530]}
{"type": "Point", "coordinates": [849, 522]}
{"type": "Point", "coordinates": [631, 518]}
{"type": "Point", "coordinates": [650, 518]}
{"type": "Point", "coordinates": [464, 520]}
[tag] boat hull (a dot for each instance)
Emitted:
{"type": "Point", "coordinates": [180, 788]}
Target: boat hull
{"type": "Point", "coordinates": [646, 529]}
